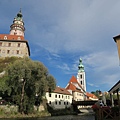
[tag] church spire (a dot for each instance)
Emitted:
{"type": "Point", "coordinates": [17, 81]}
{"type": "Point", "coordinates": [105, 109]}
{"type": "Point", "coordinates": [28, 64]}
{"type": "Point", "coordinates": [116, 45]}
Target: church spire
{"type": "Point", "coordinates": [80, 66]}
{"type": "Point", "coordinates": [17, 28]}
{"type": "Point", "coordinates": [81, 75]}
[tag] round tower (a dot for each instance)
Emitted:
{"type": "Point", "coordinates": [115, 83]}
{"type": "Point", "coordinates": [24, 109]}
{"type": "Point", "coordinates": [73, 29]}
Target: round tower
{"type": "Point", "coordinates": [17, 28]}
{"type": "Point", "coordinates": [81, 75]}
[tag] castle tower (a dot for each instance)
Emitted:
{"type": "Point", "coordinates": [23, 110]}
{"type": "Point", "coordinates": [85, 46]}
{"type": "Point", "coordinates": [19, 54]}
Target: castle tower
{"type": "Point", "coordinates": [14, 44]}
{"type": "Point", "coordinates": [17, 28]}
{"type": "Point", "coordinates": [81, 75]}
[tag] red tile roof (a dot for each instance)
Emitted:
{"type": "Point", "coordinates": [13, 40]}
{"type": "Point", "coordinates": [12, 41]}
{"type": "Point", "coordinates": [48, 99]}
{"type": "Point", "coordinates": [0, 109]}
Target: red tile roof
{"type": "Point", "coordinates": [74, 80]}
{"type": "Point", "coordinates": [91, 95]}
{"type": "Point", "coordinates": [72, 87]}
{"type": "Point", "coordinates": [61, 91]}
{"type": "Point", "coordinates": [11, 37]}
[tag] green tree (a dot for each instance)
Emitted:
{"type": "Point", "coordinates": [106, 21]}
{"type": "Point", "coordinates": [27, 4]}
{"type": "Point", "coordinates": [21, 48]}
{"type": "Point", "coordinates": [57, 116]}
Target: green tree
{"type": "Point", "coordinates": [26, 79]}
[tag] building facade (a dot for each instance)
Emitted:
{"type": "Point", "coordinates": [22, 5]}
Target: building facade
{"type": "Point", "coordinates": [60, 98]}
{"type": "Point", "coordinates": [14, 44]}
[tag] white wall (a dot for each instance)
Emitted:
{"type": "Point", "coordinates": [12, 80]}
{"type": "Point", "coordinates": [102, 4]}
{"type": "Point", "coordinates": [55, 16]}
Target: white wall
{"type": "Point", "coordinates": [58, 101]}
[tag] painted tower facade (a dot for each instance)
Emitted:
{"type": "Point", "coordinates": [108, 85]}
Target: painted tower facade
{"type": "Point", "coordinates": [81, 75]}
{"type": "Point", "coordinates": [14, 44]}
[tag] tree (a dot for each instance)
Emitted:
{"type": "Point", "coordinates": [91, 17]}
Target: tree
{"type": "Point", "coordinates": [26, 79]}
{"type": "Point", "coordinates": [97, 93]}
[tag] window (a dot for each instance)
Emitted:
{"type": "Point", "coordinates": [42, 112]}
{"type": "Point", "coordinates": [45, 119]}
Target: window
{"type": "Point", "coordinates": [18, 44]}
{"type": "Point", "coordinates": [0, 51]}
{"type": "Point", "coordinates": [59, 103]}
{"type": "Point", "coordinates": [49, 94]}
{"type": "Point", "coordinates": [62, 96]}
{"type": "Point", "coordinates": [81, 82]}
{"type": "Point", "coordinates": [8, 51]}
{"type": "Point", "coordinates": [5, 37]}
{"type": "Point", "coordinates": [56, 102]}
{"type": "Point", "coordinates": [55, 96]}
{"type": "Point", "coordinates": [81, 76]}
{"type": "Point", "coordinates": [9, 44]}
{"type": "Point", "coordinates": [0, 43]}
{"type": "Point", "coordinates": [59, 96]}
{"type": "Point", "coordinates": [66, 97]}
{"type": "Point", "coordinates": [49, 102]}
{"type": "Point", "coordinates": [19, 38]}
{"type": "Point", "coordinates": [67, 103]}
{"type": "Point", "coordinates": [17, 51]}
{"type": "Point", "coordinates": [64, 103]}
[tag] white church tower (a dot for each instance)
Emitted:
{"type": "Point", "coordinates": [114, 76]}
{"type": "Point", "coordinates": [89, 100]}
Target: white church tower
{"type": "Point", "coordinates": [81, 75]}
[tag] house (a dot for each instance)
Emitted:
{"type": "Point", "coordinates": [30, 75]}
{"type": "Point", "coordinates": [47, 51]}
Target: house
{"type": "Point", "coordinates": [60, 98]}
{"type": "Point", "coordinates": [91, 96]}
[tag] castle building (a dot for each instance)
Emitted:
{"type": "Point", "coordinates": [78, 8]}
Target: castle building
{"type": "Point", "coordinates": [14, 44]}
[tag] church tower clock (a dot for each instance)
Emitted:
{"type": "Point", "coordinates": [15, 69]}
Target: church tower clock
{"type": "Point", "coordinates": [81, 75]}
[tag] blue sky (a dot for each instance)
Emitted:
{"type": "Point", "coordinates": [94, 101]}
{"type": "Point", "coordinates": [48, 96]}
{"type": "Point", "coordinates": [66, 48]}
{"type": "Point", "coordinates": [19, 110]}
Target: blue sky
{"type": "Point", "coordinates": [60, 32]}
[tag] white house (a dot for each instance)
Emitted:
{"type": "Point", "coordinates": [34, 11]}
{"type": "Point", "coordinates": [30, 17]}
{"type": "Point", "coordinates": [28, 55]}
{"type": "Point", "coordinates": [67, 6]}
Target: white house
{"type": "Point", "coordinates": [91, 96]}
{"type": "Point", "coordinates": [60, 98]}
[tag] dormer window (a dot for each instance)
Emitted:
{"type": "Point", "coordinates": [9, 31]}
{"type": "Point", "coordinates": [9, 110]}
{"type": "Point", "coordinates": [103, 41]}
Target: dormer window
{"type": "Point", "coordinates": [5, 37]}
{"type": "Point", "coordinates": [19, 38]}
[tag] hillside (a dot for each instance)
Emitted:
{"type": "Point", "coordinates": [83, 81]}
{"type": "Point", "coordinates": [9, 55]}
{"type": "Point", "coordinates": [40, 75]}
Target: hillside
{"type": "Point", "coordinates": [5, 61]}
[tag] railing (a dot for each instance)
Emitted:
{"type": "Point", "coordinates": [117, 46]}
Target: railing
{"type": "Point", "coordinates": [103, 113]}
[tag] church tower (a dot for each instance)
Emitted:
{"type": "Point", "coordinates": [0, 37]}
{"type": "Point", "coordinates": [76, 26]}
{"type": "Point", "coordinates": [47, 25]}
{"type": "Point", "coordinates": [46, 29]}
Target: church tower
{"type": "Point", "coordinates": [17, 28]}
{"type": "Point", "coordinates": [81, 75]}
{"type": "Point", "coordinates": [14, 44]}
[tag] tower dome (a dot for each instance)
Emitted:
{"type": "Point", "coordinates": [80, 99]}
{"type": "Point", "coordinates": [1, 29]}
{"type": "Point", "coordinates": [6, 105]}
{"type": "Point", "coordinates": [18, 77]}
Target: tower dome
{"type": "Point", "coordinates": [80, 66]}
{"type": "Point", "coordinates": [17, 28]}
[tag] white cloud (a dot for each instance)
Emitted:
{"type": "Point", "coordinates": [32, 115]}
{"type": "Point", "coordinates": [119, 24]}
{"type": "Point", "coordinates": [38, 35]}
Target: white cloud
{"type": "Point", "coordinates": [59, 27]}
{"type": "Point", "coordinates": [91, 84]}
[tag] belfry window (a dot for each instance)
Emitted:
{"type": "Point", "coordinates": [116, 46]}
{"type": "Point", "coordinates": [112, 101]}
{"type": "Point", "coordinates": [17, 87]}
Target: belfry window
{"type": "Point", "coordinates": [81, 82]}
{"type": "Point", "coordinates": [81, 76]}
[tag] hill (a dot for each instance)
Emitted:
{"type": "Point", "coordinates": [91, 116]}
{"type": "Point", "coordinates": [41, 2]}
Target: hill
{"type": "Point", "coordinates": [4, 62]}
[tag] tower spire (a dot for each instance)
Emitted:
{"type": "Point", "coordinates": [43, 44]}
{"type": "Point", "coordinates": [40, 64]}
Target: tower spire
{"type": "Point", "coordinates": [80, 66]}
{"type": "Point", "coordinates": [81, 75]}
{"type": "Point", "coordinates": [17, 28]}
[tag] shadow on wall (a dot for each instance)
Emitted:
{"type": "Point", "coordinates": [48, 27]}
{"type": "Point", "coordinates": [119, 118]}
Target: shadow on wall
{"type": "Point", "coordinates": [61, 111]}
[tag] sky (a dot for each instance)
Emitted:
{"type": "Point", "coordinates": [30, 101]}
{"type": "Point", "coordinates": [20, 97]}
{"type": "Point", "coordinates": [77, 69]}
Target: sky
{"type": "Point", "coordinates": [60, 32]}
